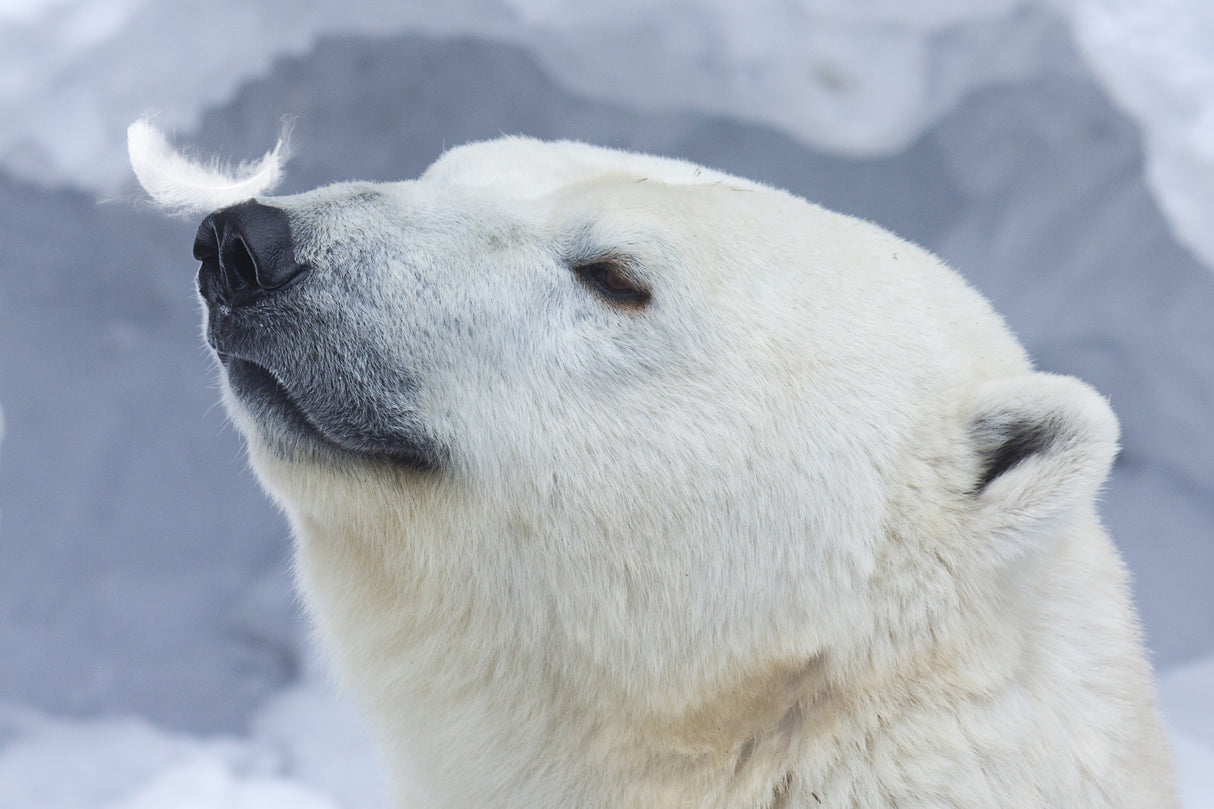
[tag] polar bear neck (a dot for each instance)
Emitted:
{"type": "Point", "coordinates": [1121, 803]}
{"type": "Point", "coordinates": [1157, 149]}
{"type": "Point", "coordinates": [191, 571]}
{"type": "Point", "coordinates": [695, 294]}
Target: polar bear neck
{"type": "Point", "coordinates": [474, 698]}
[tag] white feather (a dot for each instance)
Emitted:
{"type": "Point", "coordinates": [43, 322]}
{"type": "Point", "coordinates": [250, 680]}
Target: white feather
{"type": "Point", "coordinates": [182, 185]}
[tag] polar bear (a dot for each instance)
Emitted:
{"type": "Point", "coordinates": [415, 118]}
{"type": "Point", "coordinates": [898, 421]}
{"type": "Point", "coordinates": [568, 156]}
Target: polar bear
{"type": "Point", "coordinates": [621, 482]}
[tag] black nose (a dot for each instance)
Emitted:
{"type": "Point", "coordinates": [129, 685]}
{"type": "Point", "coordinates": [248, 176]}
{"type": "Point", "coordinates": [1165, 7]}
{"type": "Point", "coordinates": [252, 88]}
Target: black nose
{"type": "Point", "coordinates": [245, 251]}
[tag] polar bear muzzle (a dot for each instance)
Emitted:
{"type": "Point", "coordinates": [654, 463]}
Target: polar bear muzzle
{"type": "Point", "coordinates": [281, 368]}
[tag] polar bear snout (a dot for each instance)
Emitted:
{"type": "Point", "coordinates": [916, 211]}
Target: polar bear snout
{"type": "Point", "coordinates": [302, 380]}
{"type": "Point", "coordinates": [246, 250]}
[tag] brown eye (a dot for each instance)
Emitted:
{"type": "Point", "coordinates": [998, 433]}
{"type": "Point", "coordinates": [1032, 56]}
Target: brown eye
{"type": "Point", "coordinates": [611, 282]}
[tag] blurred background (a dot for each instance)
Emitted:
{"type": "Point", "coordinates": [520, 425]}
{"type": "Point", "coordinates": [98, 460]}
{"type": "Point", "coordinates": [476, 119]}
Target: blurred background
{"type": "Point", "coordinates": [1059, 154]}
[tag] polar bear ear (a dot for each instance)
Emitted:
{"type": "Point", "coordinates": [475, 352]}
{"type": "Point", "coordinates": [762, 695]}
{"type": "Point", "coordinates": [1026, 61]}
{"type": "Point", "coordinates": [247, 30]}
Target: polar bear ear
{"type": "Point", "coordinates": [1044, 445]}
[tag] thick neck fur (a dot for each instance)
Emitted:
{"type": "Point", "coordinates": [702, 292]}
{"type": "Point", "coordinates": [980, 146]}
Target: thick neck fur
{"type": "Point", "coordinates": [965, 718]}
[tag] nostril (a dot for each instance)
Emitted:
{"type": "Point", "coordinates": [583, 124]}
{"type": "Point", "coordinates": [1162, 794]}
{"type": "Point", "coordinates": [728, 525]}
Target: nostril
{"type": "Point", "coordinates": [206, 240]}
{"type": "Point", "coordinates": [236, 262]}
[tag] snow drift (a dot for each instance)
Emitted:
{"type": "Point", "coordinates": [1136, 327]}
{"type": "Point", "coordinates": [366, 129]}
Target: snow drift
{"type": "Point", "coordinates": [861, 79]}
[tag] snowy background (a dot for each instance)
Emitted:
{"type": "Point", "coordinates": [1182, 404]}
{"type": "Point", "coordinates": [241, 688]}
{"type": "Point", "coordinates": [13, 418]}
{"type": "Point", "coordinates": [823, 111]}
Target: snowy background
{"type": "Point", "coordinates": [1060, 154]}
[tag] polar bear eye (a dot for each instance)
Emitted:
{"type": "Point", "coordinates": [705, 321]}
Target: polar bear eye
{"type": "Point", "coordinates": [610, 281]}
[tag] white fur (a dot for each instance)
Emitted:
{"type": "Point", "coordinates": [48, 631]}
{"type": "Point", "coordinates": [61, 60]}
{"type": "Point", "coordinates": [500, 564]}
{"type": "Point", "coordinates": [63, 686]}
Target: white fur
{"type": "Point", "coordinates": [728, 551]}
{"type": "Point", "coordinates": [181, 185]}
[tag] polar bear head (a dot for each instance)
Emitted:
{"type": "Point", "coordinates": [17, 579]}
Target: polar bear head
{"type": "Point", "coordinates": [600, 461]}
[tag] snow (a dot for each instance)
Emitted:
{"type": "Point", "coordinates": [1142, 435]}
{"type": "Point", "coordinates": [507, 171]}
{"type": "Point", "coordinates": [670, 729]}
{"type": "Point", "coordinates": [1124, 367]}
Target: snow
{"type": "Point", "coordinates": [857, 78]}
{"type": "Point", "coordinates": [1156, 60]}
{"type": "Point", "coordinates": [306, 752]}
{"type": "Point", "coordinates": [1187, 700]}
{"type": "Point", "coordinates": [205, 783]}
{"type": "Point", "coordinates": [1195, 765]}
{"type": "Point", "coordinates": [1057, 153]}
